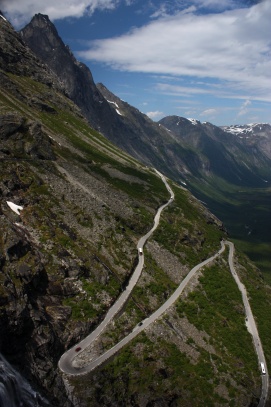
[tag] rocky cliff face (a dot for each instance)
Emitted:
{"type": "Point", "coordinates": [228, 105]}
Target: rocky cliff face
{"type": "Point", "coordinates": [145, 139]}
{"type": "Point", "coordinates": [42, 38]}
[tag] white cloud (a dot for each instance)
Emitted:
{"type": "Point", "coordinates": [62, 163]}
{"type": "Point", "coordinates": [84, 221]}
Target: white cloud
{"type": "Point", "coordinates": [216, 4]}
{"type": "Point", "coordinates": [244, 108]}
{"type": "Point", "coordinates": [231, 46]}
{"type": "Point", "coordinates": [208, 112]}
{"type": "Point", "coordinates": [21, 13]}
{"type": "Point", "coordinates": [155, 115]}
{"type": "Point", "coordinates": [161, 12]}
{"type": "Point", "coordinates": [184, 91]}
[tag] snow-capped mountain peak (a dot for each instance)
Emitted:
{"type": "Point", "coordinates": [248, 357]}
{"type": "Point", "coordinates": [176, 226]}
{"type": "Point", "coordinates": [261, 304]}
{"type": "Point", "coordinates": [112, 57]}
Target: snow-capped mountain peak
{"type": "Point", "coordinates": [251, 129]}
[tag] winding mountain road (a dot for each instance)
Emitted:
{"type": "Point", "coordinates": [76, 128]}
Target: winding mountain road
{"type": "Point", "coordinates": [251, 327]}
{"type": "Point", "coordinates": [66, 362]}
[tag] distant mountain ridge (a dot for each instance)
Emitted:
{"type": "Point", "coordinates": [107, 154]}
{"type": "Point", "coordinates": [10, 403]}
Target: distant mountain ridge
{"type": "Point", "coordinates": [235, 159]}
{"type": "Point", "coordinates": [255, 133]}
{"type": "Point", "coordinates": [259, 129]}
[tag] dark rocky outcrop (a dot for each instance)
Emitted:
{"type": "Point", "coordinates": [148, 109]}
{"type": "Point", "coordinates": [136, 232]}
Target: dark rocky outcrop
{"type": "Point", "coordinates": [40, 146]}
{"type": "Point", "coordinates": [10, 124]}
{"type": "Point", "coordinates": [17, 59]}
{"type": "Point", "coordinates": [42, 37]}
{"type": "Point", "coordinates": [19, 137]}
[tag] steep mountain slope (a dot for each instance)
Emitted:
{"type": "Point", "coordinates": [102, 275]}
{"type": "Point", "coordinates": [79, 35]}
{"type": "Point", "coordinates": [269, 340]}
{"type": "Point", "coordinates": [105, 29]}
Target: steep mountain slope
{"type": "Point", "coordinates": [258, 134]}
{"type": "Point", "coordinates": [42, 37]}
{"type": "Point", "coordinates": [230, 174]}
{"type": "Point", "coordinates": [232, 158]}
{"type": "Point", "coordinates": [146, 140]}
{"type": "Point", "coordinates": [71, 211]}
{"type": "Point", "coordinates": [126, 127]}
{"type": "Point", "coordinates": [234, 181]}
{"type": "Point", "coordinates": [224, 171]}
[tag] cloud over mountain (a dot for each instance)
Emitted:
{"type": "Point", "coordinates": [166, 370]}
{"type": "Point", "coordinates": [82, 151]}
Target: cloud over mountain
{"type": "Point", "coordinates": [60, 9]}
{"type": "Point", "coordinates": [232, 46]}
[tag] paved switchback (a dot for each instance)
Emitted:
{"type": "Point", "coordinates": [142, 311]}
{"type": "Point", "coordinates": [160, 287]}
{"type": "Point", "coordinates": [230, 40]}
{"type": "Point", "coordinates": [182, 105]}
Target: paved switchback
{"type": "Point", "coordinates": [66, 361]}
{"type": "Point", "coordinates": [251, 327]}
{"type": "Point", "coordinates": [66, 364]}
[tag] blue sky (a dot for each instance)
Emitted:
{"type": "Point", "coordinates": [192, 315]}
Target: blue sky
{"type": "Point", "coordinates": [205, 59]}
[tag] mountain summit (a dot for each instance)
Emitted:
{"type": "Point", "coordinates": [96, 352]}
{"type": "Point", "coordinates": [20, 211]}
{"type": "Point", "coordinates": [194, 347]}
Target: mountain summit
{"type": "Point", "coordinates": [42, 38]}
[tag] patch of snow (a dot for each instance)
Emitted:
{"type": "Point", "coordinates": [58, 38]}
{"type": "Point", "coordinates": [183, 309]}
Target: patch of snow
{"type": "Point", "coordinates": [15, 208]}
{"type": "Point", "coordinates": [114, 103]}
{"type": "Point", "coordinates": [117, 106]}
{"type": "Point", "coordinates": [245, 129]}
{"type": "Point", "coordinates": [193, 121]}
{"type": "Point", "coordinates": [234, 130]}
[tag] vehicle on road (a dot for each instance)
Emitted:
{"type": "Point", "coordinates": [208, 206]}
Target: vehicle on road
{"type": "Point", "coordinates": [263, 368]}
{"type": "Point", "coordinates": [77, 349]}
{"type": "Point", "coordinates": [140, 251]}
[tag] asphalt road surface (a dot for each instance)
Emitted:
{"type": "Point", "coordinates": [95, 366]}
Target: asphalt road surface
{"type": "Point", "coordinates": [252, 328]}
